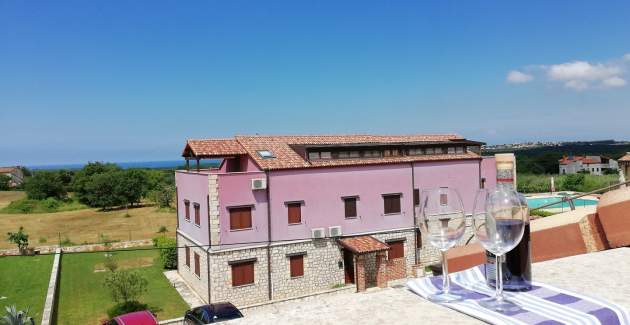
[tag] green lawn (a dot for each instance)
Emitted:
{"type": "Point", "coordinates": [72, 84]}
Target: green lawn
{"type": "Point", "coordinates": [83, 300]}
{"type": "Point", "coordinates": [24, 282]}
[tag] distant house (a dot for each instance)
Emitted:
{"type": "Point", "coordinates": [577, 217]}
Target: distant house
{"type": "Point", "coordinates": [624, 164]}
{"type": "Point", "coordinates": [595, 165]}
{"type": "Point", "coordinates": [17, 177]}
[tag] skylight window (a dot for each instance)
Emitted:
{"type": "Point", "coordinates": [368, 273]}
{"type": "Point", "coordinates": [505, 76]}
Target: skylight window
{"type": "Point", "coordinates": [266, 154]}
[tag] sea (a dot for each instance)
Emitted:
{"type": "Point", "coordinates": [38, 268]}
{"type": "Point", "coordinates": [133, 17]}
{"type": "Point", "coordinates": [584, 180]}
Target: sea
{"type": "Point", "coordinates": [161, 164]}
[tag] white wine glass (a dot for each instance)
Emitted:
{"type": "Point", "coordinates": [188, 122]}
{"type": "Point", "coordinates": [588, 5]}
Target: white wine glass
{"type": "Point", "coordinates": [499, 222]}
{"type": "Point", "coordinates": [443, 223]}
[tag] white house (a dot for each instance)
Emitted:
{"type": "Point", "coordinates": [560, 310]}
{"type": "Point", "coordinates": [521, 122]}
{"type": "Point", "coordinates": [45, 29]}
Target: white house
{"type": "Point", "coordinates": [595, 165]}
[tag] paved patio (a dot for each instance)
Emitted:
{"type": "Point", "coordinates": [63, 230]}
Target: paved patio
{"type": "Point", "coordinates": [603, 274]}
{"type": "Point", "coordinates": [189, 296]}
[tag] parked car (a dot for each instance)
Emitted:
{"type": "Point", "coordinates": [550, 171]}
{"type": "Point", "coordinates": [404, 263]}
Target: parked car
{"type": "Point", "coordinates": [144, 317]}
{"type": "Point", "coordinates": [212, 313]}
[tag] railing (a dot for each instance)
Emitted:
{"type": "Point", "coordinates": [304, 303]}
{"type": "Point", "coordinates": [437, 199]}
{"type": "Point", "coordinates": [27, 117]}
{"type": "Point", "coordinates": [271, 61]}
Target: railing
{"type": "Point", "coordinates": [570, 199]}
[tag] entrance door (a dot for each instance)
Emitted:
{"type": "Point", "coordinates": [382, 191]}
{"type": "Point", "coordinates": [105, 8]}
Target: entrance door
{"type": "Point", "coordinates": [348, 266]}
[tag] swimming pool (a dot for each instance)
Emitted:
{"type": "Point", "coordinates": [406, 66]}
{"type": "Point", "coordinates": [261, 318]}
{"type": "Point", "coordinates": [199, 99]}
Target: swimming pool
{"type": "Point", "coordinates": [535, 202]}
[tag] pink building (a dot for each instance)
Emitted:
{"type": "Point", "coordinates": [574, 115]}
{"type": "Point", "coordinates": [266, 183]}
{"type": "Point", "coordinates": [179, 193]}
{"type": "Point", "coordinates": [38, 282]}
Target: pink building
{"type": "Point", "coordinates": [285, 216]}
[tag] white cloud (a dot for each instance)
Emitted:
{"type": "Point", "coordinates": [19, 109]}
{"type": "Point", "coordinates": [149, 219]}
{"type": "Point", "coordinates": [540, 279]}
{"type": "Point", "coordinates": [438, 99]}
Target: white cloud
{"type": "Point", "coordinates": [577, 75]}
{"type": "Point", "coordinates": [614, 82]}
{"type": "Point", "coordinates": [518, 77]}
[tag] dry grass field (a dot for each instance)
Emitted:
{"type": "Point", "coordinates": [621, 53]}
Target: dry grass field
{"type": "Point", "coordinates": [7, 196]}
{"type": "Point", "coordinates": [83, 226]}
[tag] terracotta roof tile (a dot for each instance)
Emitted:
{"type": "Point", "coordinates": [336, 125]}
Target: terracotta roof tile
{"type": "Point", "coordinates": [8, 169]}
{"type": "Point", "coordinates": [214, 147]}
{"type": "Point", "coordinates": [626, 157]}
{"type": "Point", "coordinates": [363, 244]}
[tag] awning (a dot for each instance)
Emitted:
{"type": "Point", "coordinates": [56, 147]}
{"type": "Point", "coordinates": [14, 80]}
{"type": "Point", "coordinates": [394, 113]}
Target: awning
{"type": "Point", "coordinates": [363, 244]}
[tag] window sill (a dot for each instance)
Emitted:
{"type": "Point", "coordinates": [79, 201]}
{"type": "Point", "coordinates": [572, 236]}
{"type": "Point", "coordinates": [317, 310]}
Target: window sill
{"type": "Point", "coordinates": [352, 218]}
{"type": "Point", "coordinates": [243, 285]}
{"type": "Point", "coordinates": [297, 277]}
{"type": "Point", "coordinates": [197, 225]}
{"type": "Point", "coordinates": [242, 229]}
{"type": "Point", "coordinates": [296, 224]}
{"type": "Point", "coordinates": [392, 214]}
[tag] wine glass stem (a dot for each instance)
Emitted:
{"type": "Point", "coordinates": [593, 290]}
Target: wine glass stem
{"type": "Point", "coordinates": [499, 280]}
{"type": "Point", "coordinates": [446, 282]}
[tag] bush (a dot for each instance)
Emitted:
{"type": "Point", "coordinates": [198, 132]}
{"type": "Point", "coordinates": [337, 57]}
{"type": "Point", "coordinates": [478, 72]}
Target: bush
{"type": "Point", "coordinates": [110, 263]}
{"type": "Point", "coordinates": [45, 184]}
{"type": "Point", "coordinates": [168, 251]}
{"type": "Point", "coordinates": [19, 238]}
{"type": "Point", "coordinates": [126, 307]}
{"type": "Point", "coordinates": [4, 182]}
{"type": "Point", "coordinates": [21, 206]}
{"type": "Point", "coordinates": [540, 213]}
{"type": "Point", "coordinates": [573, 182]}
{"type": "Point", "coordinates": [125, 286]}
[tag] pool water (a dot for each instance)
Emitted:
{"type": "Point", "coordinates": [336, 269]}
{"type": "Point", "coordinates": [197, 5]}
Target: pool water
{"type": "Point", "coordinates": [540, 201]}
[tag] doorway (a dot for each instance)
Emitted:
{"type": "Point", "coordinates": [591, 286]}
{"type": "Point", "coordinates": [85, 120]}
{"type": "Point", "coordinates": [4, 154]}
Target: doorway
{"type": "Point", "coordinates": [348, 266]}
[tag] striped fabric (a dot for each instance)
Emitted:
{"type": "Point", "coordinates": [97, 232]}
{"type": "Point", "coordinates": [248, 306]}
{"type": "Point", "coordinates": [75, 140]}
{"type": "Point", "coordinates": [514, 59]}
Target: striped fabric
{"type": "Point", "coordinates": [544, 304]}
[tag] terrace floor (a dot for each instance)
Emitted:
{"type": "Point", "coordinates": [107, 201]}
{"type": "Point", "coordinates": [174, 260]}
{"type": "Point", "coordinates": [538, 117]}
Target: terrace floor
{"type": "Point", "coordinates": [603, 274]}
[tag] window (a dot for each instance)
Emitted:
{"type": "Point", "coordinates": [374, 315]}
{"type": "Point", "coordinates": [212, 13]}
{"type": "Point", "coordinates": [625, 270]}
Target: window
{"type": "Point", "coordinates": [439, 150]}
{"type": "Point", "coordinates": [391, 152]}
{"type": "Point", "coordinates": [430, 151]}
{"type": "Point", "coordinates": [187, 256]}
{"type": "Point", "coordinates": [266, 154]}
{"type": "Point", "coordinates": [313, 155]}
{"type": "Point", "coordinates": [396, 249]}
{"type": "Point", "coordinates": [415, 152]}
{"type": "Point", "coordinates": [416, 197]}
{"type": "Point", "coordinates": [418, 238]}
{"type": "Point", "coordinates": [325, 155]}
{"type": "Point", "coordinates": [451, 150]}
{"type": "Point", "coordinates": [294, 210]}
{"type": "Point", "coordinates": [197, 214]}
{"type": "Point", "coordinates": [391, 203]}
{"type": "Point", "coordinates": [242, 273]}
{"type": "Point", "coordinates": [187, 209]}
{"type": "Point", "coordinates": [350, 207]}
{"type": "Point", "coordinates": [296, 265]}
{"type": "Point", "coordinates": [348, 154]}
{"type": "Point", "coordinates": [371, 153]}
{"type": "Point", "coordinates": [197, 270]}
{"type": "Point", "coordinates": [459, 150]}
{"type": "Point", "coordinates": [240, 218]}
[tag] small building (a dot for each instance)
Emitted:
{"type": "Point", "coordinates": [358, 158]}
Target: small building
{"type": "Point", "coordinates": [16, 174]}
{"type": "Point", "coordinates": [287, 216]}
{"type": "Point", "coordinates": [624, 165]}
{"type": "Point", "coordinates": [594, 165]}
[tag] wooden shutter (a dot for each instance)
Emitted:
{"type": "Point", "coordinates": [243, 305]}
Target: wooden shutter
{"type": "Point", "coordinates": [396, 249]}
{"type": "Point", "coordinates": [197, 214]}
{"type": "Point", "coordinates": [418, 239]}
{"type": "Point", "coordinates": [242, 273]}
{"type": "Point", "coordinates": [391, 203]}
{"type": "Point", "coordinates": [295, 212]}
{"type": "Point", "coordinates": [187, 209]}
{"type": "Point", "coordinates": [240, 218]}
{"type": "Point", "coordinates": [197, 271]}
{"type": "Point", "coordinates": [416, 197]}
{"type": "Point", "coordinates": [187, 256]}
{"type": "Point", "coordinates": [350, 207]}
{"type": "Point", "coordinates": [297, 265]}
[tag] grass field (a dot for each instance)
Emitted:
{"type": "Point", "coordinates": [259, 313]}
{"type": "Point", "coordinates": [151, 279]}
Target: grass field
{"type": "Point", "coordinates": [7, 196]}
{"type": "Point", "coordinates": [24, 282]}
{"type": "Point", "coordinates": [83, 300]}
{"type": "Point", "coordinates": [84, 226]}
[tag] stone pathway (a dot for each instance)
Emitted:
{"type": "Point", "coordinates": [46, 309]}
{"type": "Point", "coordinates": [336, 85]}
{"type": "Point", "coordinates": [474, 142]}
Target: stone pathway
{"type": "Point", "coordinates": [189, 296]}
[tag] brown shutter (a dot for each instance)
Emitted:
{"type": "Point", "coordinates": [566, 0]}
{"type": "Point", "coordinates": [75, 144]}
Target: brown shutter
{"type": "Point", "coordinates": [240, 218]}
{"type": "Point", "coordinates": [197, 214]}
{"type": "Point", "coordinates": [416, 197]}
{"type": "Point", "coordinates": [418, 239]}
{"type": "Point", "coordinates": [295, 212]}
{"type": "Point", "coordinates": [197, 271]}
{"type": "Point", "coordinates": [187, 256]}
{"type": "Point", "coordinates": [350, 206]}
{"type": "Point", "coordinates": [297, 265]}
{"type": "Point", "coordinates": [396, 249]}
{"type": "Point", "coordinates": [396, 203]}
{"type": "Point", "coordinates": [242, 273]}
{"type": "Point", "coordinates": [187, 209]}
{"type": "Point", "coordinates": [391, 203]}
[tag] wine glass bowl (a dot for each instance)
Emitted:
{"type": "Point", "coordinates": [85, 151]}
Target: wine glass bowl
{"type": "Point", "coordinates": [499, 220]}
{"type": "Point", "coordinates": [442, 222]}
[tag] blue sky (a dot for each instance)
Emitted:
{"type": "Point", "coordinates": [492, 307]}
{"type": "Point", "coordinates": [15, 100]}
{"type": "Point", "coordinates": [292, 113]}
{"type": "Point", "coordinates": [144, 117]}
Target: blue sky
{"type": "Point", "coordinates": [129, 81]}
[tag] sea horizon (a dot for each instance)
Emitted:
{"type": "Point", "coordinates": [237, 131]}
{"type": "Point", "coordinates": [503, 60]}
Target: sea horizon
{"type": "Point", "coordinates": [152, 164]}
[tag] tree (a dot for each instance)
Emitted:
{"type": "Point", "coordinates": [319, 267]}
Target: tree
{"type": "Point", "coordinates": [83, 177]}
{"type": "Point", "coordinates": [19, 238]}
{"type": "Point", "coordinates": [168, 251]}
{"type": "Point", "coordinates": [45, 184]}
{"type": "Point", "coordinates": [131, 185]}
{"type": "Point", "coordinates": [125, 286]}
{"type": "Point", "coordinates": [102, 191]}
{"type": "Point", "coordinates": [4, 182]}
{"type": "Point", "coordinates": [14, 317]}
{"type": "Point", "coordinates": [163, 195]}
{"type": "Point", "coordinates": [573, 182]}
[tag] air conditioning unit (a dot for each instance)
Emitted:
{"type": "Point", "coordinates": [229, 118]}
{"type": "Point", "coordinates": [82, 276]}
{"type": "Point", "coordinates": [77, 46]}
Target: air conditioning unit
{"type": "Point", "coordinates": [334, 231]}
{"type": "Point", "coordinates": [259, 184]}
{"type": "Point", "coordinates": [318, 233]}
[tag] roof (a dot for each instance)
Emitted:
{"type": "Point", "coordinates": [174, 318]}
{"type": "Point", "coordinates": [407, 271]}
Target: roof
{"type": "Point", "coordinates": [583, 159]}
{"type": "Point", "coordinates": [626, 157]}
{"type": "Point", "coordinates": [286, 157]}
{"type": "Point", "coordinates": [8, 169]}
{"type": "Point", "coordinates": [363, 244]}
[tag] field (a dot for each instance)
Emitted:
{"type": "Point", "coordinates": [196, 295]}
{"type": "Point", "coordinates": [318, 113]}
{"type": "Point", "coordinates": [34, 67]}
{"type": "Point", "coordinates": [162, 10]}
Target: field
{"type": "Point", "coordinates": [7, 196]}
{"type": "Point", "coordinates": [85, 225]}
{"type": "Point", "coordinates": [84, 300]}
{"type": "Point", "coordinates": [24, 282]}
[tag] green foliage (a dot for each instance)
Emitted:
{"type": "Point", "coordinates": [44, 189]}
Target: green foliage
{"type": "Point", "coordinates": [48, 205]}
{"type": "Point", "coordinates": [125, 286]}
{"type": "Point", "coordinates": [131, 185]}
{"type": "Point", "coordinates": [67, 242]}
{"type": "Point", "coordinates": [13, 316]}
{"type": "Point", "coordinates": [4, 182]}
{"type": "Point", "coordinates": [45, 184]}
{"type": "Point", "coordinates": [573, 182]}
{"type": "Point", "coordinates": [110, 263]}
{"type": "Point", "coordinates": [530, 183]}
{"type": "Point", "coordinates": [163, 195]}
{"type": "Point", "coordinates": [168, 251]}
{"type": "Point", "coordinates": [126, 307]}
{"type": "Point", "coordinates": [81, 182]}
{"type": "Point", "coordinates": [43, 240]}
{"type": "Point", "coordinates": [540, 213]}
{"type": "Point", "coordinates": [19, 238]}
{"type": "Point", "coordinates": [162, 230]}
